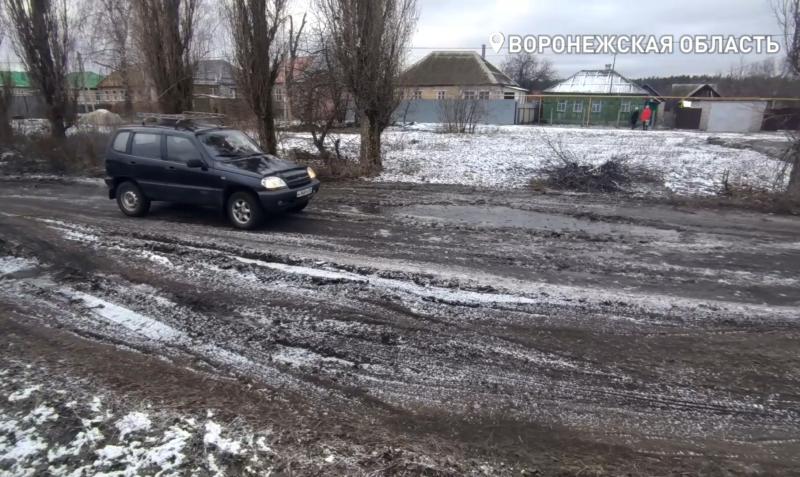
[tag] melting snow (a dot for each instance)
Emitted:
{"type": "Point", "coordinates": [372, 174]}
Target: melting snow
{"type": "Point", "coordinates": [213, 437]}
{"type": "Point", "coordinates": [23, 394]}
{"type": "Point", "coordinates": [133, 422]}
{"type": "Point", "coordinates": [14, 264]}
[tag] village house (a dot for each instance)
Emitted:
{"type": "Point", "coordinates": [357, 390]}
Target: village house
{"type": "Point", "coordinates": [595, 97]}
{"type": "Point", "coordinates": [215, 78]}
{"type": "Point", "coordinates": [27, 102]}
{"type": "Point", "coordinates": [111, 90]}
{"type": "Point", "coordinates": [457, 74]}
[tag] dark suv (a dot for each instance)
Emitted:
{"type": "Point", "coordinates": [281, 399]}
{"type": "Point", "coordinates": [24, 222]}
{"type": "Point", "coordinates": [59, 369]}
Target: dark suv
{"type": "Point", "coordinates": [203, 165]}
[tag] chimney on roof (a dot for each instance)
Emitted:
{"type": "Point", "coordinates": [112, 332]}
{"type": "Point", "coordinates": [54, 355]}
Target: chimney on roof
{"type": "Point", "coordinates": [483, 51]}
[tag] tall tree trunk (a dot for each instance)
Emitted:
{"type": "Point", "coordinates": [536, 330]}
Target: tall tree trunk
{"type": "Point", "coordinates": [793, 191]}
{"type": "Point", "coordinates": [370, 153]}
{"type": "Point", "coordinates": [266, 132]}
{"type": "Point", "coordinates": [57, 128]}
{"type": "Point", "coordinates": [127, 106]}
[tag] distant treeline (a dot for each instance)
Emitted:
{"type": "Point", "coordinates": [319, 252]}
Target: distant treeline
{"type": "Point", "coordinates": [733, 85]}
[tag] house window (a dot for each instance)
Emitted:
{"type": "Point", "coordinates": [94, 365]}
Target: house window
{"type": "Point", "coordinates": [417, 94]}
{"type": "Point", "coordinates": [577, 107]}
{"type": "Point", "coordinates": [469, 94]}
{"type": "Point", "coordinates": [278, 95]}
{"type": "Point", "coordinates": [441, 95]}
{"type": "Point", "coordinates": [508, 95]}
{"type": "Point", "coordinates": [562, 107]}
{"type": "Point", "coordinates": [625, 107]}
{"type": "Point", "coordinates": [483, 95]}
{"type": "Point", "coordinates": [597, 107]}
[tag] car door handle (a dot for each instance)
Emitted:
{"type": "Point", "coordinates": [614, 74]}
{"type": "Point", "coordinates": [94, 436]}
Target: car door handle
{"type": "Point", "coordinates": [132, 162]}
{"type": "Point", "coordinates": [172, 168]}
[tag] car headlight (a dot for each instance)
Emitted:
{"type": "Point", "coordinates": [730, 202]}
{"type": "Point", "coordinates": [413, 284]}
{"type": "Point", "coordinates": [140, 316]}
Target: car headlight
{"type": "Point", "coordinates": [311, 173]}
{"type": "Point", "coordinates": [272, 183]}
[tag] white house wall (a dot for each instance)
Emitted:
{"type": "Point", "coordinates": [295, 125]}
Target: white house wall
{"type": "Point", "coordinates": [732, 116]}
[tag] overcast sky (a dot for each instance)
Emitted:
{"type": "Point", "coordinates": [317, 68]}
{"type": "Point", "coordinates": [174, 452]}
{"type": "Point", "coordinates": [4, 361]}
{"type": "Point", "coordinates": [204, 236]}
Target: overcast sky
{"type": "Point", "coordinates": [468, 24]}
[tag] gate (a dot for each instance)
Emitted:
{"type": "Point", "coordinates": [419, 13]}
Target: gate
{"type": "Point", "coordinates": [527, 113]}
{"type": "Point", "coordinates": [688, 118]}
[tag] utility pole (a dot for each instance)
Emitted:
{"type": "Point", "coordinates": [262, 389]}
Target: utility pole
{"type": "Point", "coordinates": [611, 74]}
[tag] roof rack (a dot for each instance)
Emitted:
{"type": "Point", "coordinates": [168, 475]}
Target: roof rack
{"type": "Point", "coordinates": [186, 120]}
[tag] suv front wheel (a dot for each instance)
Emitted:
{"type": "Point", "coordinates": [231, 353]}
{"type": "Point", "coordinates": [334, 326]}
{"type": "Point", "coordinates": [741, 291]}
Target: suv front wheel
{"type": "Point", "coordinates": [131, 200]}
{"type": "Point", "coordinates": [244, 211]}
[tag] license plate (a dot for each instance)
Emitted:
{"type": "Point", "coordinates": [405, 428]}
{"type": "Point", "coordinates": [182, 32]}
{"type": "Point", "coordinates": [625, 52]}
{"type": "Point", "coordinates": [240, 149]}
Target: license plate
{"type": "Point", "coordinates": [305, 192]}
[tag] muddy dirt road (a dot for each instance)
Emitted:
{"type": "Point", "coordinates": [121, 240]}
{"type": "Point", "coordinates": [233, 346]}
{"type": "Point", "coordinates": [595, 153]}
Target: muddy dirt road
{"type": "Point", "coordinates": [481, 332]}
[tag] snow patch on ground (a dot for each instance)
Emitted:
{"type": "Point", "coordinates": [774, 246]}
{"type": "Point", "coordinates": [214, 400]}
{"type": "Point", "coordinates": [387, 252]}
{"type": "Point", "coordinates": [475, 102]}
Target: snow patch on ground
{"type": "Point", "coordinates": [510, 156]}
{"type": "Point", "coordinates": [213, 437]}
{"type": "Point", "coordinates": [126, 318]}
{"type": "Point", "coordinates": [133, 422]}
{"type": "Point", "coordinates": [23, 394]}
{"type": "Point", "coordinates": [10, 264]}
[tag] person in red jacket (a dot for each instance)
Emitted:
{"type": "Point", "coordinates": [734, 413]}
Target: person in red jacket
{"type": "Point", "coordinates": [646, 115]}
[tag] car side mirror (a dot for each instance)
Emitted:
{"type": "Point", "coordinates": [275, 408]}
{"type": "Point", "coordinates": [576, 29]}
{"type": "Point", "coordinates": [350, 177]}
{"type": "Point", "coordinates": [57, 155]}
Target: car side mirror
{"type": "Point", "coordinates": [194, 163]}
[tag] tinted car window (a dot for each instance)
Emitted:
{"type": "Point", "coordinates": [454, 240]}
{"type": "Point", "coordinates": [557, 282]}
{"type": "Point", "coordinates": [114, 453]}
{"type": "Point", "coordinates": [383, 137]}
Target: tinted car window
{"type": "Point", "coordinates": [146, 145]}
{"type": "Point", "coordinates": [121, 141]}
{"type": "Point", "coordinates": [181, 149]}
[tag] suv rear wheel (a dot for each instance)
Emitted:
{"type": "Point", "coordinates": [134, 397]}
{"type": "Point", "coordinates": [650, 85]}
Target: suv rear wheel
{"type": "Point", "coordinates": [244, 211]}
{"type": "Point", "coordinates": [131, 200]}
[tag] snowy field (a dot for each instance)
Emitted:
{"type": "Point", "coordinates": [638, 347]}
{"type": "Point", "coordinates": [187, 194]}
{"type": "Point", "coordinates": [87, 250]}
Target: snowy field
{"type": "Point", "coordinates": [510, 156]}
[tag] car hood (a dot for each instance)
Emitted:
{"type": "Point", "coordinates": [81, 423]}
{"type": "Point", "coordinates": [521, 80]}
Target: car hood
{"type": "Point", "coordinates": [257, 165]}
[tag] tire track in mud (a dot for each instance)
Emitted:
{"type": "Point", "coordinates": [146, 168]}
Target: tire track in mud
{"type": "Point", "coordinates": [416, 335]}
{"type": "Point", "coordinates": [515, 379]}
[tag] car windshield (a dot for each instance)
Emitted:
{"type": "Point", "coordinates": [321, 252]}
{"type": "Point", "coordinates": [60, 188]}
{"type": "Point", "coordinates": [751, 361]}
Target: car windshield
{"type": "Point", "coordinates": [229, 143]}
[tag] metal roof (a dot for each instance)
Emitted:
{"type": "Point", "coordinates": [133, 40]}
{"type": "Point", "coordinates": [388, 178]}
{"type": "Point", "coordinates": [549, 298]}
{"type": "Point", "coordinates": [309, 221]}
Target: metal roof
{"type": "Point", "coordinates": [597, 82]}
{"type": "Point", "coordinates": [687, 90]}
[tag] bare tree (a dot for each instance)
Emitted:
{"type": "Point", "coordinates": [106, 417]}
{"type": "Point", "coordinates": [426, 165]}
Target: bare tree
{"type": "Point", "coordinates": [259, 54]}
{"type": "Point", "coordinates": [529, 71]}
{"type": "Point", "coordinates": [320, 97]}
{"type": "Point", "coordinates": [6, 103]}
{"type": "Point", "coordinates": [369, 39]}
{"type": "Point", "coordinates": [294, 43]}
{"type": "Point", "coordinates": [42, 40]}
{"type": "Point", "coordinates": [110, 41]}
{"type": "Point", "coordinates": [788, 13]}
{"type": "Point", "coordinates": [165, 34]}
{"type": "Point", "coordinates": [461, 115]}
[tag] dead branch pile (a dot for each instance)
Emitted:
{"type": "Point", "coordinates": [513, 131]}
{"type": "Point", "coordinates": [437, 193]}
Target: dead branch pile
{"type": "Point", "coordinates": [613, 175]}
{"type": "Point", "coordinates": [566, 169]}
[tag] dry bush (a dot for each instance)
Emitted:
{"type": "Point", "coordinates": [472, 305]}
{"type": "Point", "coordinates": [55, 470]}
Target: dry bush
{"type": "Point", "coordinates": [746, 196]}
{"type": "Point", "coordinates": [461, 115]}
{"type": "Point", "coordinates": [328, 165]}
{"type": "Point", "coordinates": [79, 154]}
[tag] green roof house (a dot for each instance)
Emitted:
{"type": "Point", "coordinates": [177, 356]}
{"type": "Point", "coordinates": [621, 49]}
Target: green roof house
{"type": "Point", "coordinates": [19, 79]}
{"type": "Point", "coordinates": [85, 80]}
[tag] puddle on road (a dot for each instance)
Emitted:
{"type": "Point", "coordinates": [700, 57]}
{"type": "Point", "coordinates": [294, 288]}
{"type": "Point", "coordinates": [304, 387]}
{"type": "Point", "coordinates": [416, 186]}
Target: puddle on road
{"type": "Point", "coordinates": [495, 216]}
